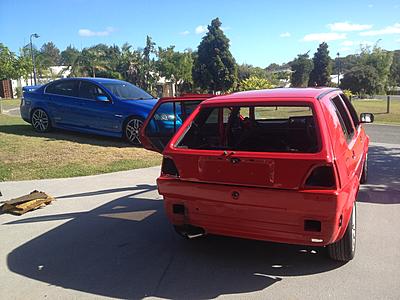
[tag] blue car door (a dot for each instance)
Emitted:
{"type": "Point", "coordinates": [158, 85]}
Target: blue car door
{"type": "Point", "coordinates": [63, 102]}
{"type": "Point", "coordinates": [98, 111]}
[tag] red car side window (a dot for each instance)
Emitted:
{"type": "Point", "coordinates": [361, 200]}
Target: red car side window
{"type": "Point", "coordinates": [344, 119]}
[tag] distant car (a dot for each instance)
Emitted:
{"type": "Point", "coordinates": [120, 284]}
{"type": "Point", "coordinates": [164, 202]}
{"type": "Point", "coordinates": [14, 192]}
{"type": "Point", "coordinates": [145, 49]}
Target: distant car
{"type": "Point", "coordinates": [91, 105]}
{"type": "Point", "coordinates": [281, 165]}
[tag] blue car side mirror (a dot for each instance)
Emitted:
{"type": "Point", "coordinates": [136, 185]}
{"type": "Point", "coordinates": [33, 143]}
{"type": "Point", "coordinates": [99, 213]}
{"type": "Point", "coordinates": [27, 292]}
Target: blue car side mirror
{"type": "Point", "coordinates": [102, 98]}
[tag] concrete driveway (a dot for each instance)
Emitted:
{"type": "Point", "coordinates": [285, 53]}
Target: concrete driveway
{"type": "Point", "coordinates": [107, 236]}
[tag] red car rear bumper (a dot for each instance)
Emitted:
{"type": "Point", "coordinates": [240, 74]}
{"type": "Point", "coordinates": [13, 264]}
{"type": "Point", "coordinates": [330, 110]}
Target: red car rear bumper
{"type": "Point", "coordinates": [295, 217]}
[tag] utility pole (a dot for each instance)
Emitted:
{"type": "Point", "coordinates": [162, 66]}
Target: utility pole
{"type": "Point", "coordinates": [338, 73]}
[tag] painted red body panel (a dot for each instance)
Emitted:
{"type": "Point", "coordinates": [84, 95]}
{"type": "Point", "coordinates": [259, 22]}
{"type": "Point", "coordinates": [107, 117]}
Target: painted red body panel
{"type": "Point", "coordinates": [272, 202]}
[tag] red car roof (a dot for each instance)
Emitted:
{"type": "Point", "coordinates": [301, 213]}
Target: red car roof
{"type": "Point", "coordinates": [273, 94]}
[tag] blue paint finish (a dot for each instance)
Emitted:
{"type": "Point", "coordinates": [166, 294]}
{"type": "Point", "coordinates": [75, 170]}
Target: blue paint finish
{"type": "Point", "coordinates": [80, 110]}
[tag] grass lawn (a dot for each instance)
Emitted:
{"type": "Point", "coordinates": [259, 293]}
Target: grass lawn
{"type": "Point", "coordinates": [25, 154]}
{"type": "Point", "coordinates": [10, 103]}
{"type": "Point", "coordinates": [378, 108]}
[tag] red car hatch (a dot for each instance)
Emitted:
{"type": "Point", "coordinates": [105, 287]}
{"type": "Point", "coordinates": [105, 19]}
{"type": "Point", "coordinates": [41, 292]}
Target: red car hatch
{"type": "Point", "coordinates": [166, 117]}
{"type": "Point", "coordinates": [250, 147]}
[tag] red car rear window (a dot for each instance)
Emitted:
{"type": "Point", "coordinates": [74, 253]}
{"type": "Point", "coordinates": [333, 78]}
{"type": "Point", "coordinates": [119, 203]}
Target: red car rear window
{"type": "Point", "coordinates": [253, 128]}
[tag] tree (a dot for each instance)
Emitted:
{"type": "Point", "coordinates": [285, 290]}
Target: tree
{"type": "Point", "coordinates": [301, 67]}
{"type": "Point", "coordinates": [214, 67]}
{"type": "Point", "coordinates": [69, 56]}
{"type": "Point", "coordinates": [176, 66]}
{"type": "Point", "coordinates": [321, 72]}
{"type": "Point", "coordinates": [255, 83]}
{"type": "Point", "coordinates": [361, 79]}
{"type": "Point", "coordinates": [8, 62]}
{"type": "Point", "coordinates": [395, 69]}
{"type": "Point", "coordinates": [381, 61]}
{"type": "Point", "coordinates": [49, 55]}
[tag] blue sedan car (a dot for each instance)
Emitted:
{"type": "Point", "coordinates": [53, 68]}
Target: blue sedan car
{"type": "Point", "coordinates": [91, 105]}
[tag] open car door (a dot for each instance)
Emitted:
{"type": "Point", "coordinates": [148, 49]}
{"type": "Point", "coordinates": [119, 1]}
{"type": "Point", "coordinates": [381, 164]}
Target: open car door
{"type": "Point", "coordinates": [166, 117]}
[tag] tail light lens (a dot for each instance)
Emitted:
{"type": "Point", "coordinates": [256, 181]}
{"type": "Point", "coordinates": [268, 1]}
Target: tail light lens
{"type": "Point", "coordinates": [168, 167]}
{"type": "Point", "coordinates": [321, 177]}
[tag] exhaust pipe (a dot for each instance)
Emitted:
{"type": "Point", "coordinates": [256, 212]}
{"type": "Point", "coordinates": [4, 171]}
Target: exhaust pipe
{"type": "Point", "coordinates": [189, 231]}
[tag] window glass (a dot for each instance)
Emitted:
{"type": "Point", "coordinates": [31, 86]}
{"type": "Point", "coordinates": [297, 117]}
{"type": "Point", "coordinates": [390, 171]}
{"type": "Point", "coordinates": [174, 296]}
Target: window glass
{"type": "Point", "coordinates": [291, 130]}
{"type": "Point", "coordinates": [126, 91]}
{"type": "Point", "coordinates": [166, 120]}
{"type": "Point", "coordinates": [351, 109]}
{"type": "Point", "coordinates": [281, 112]}
{"type": "Point", "coordinates": [344, 117]}
{"type": "Point", "coordinates": [65, 88]}
{"type": "Point", "coordinates": [188, 107]}
{"type": "Point", "coordinates": [89, 90]}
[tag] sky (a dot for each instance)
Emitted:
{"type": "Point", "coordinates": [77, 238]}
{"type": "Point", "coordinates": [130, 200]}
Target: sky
{"type": "Point", "coordinates": [260, 32]}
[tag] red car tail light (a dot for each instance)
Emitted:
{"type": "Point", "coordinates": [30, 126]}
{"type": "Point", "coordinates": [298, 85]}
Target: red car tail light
{"type": "Point", "coordinates": [168, 167]}
{"type": "Point", "coordinates": [321, 177]}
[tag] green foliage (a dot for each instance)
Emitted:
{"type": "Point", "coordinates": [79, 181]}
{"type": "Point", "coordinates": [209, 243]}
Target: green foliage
{"type": "Point", "coordinates": [321, 72]}
{"type": "Point", "coordinates": [49, 55]}
{"type": "Point", "coordinates": [348, 94]}
{"type": "Point", "coordinates": [176, 66]}
{"type": "Point", "coordinates": [245, 71]}
{"type": "Point", "coordinates": [394, 77]}
{"type": "Point", "coordinates": [255, 83]}
{"type": "Point", "coordinates": [69, 56]}
{"type": "Point", "coordinates": [8, 62]}
{"type": "Point", "coordinates": [362, 80]}
{"type": "Point", "coordinates": [301, 67]}
{"type": "Point", "coordinates": [12, 66]}
{"type": "Point", "coordinates": [18, 91]}
{"type": "Point", "coordinates": [214, 67]}
{"type": "Point", "coordinates": [381, 61]}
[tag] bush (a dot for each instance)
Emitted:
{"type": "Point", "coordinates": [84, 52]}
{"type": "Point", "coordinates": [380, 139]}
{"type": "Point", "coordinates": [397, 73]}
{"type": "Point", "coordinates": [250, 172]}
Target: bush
{"type": "Point", "coordinates": [348, 94]}
{"type": "Point", "coordinates": [255, 83]}
{"type": "Point", "coordinates": [18, 91]}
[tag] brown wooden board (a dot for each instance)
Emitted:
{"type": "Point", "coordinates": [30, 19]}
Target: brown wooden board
{"type": "Point", "coordinates": [31, 196]}
{"type": "Point", "coordinates": [27, 203]}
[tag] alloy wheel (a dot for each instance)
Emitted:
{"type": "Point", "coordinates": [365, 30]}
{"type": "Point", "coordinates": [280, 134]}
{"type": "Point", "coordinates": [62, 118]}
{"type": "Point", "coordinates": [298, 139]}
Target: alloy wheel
{"type": "Point", "coordinates": [132, 131]}
{"type": "Point", "coordinates": [40, 120]}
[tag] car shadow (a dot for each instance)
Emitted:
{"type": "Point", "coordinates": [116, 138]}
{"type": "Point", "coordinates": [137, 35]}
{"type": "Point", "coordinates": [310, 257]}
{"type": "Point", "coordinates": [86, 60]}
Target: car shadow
{"type": "Point", "coordinates": [65, 135]}
{"type": "Point", "coordinates": [383, 185]}
{"type": "Point", "coordinates": [127, 249]}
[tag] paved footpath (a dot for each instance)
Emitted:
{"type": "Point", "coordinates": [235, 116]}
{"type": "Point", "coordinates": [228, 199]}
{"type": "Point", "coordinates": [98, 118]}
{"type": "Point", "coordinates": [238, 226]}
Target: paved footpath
{"type": "Point", "coordinates": [107, 236]}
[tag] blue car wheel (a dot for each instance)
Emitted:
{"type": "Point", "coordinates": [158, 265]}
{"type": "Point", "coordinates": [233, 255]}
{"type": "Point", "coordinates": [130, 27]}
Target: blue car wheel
{"type": "Point", "coordinates": [131, 130]}
{"type": "Point", "coordinates": [40, 120]}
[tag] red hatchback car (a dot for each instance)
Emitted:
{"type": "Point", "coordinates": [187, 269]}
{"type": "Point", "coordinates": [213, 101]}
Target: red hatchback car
{"type": "Point", "coordinates": [281, 165]}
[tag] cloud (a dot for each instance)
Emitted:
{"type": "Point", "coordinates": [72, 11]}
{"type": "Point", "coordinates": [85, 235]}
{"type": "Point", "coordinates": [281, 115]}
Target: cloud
{"type": "Point", "coordinates": [370, 5]}
{"type": "Point", "coordinates": [344, 49]}
{"type": "Point", "coordinates": [366, 43]}
{"type": "Point", "coordinates": [393, 29]}
{"type": "Point", "coordinates": [186, 32]}
{"type": "Point", "coordinates": [346, 26]}
{"type": "Point", "coordinates": [285, 34]}
{"type": "Point", "coordinates": [89, 33]}
{"type": "Point", "coordinates": [225, 28]}
{"type": "Point", "coordinates": [324, 37]}
{"type": "Point", "coordinates": [201, 29]}
{"type": "Point", "coordinates": [347, 43]}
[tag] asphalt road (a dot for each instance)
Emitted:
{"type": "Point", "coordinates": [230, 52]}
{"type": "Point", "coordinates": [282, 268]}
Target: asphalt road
{"type": "Point", "coordinates": [107, 236]}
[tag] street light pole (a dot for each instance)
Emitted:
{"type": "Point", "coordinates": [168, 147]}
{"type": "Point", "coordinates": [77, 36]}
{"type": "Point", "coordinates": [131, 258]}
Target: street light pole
{"type": "Point", "coordinates": [35, 35]}
{"type": "Point", "coordinates": [338, 72]}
